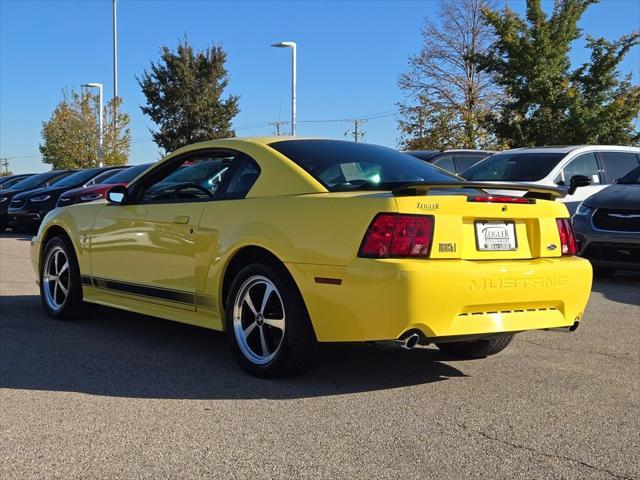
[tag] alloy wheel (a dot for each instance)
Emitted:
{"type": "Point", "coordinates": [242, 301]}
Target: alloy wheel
{"type": "Point", "coordinates": [259, 319]}
{"type": "Point", "coordinates": [56, 278]}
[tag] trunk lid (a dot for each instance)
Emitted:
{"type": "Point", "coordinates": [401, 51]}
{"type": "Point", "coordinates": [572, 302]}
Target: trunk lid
{"type": "Point", "coordinates": [475, 230]}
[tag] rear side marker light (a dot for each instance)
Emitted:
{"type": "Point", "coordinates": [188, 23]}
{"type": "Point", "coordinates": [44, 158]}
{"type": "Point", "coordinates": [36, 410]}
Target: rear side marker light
{"type": "Point", "coordinates": [567, 238]}
{"type": "Point", "coordinates": [499, 199]}
{"type": "Point", "coordinates": [396, 235]}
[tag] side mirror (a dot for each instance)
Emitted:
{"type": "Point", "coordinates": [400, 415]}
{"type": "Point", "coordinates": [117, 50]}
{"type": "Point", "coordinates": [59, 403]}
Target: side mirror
{"type": "Point", "coordinates": [578, 181]}
{"type": "Point", "coordinates": [117, 194]}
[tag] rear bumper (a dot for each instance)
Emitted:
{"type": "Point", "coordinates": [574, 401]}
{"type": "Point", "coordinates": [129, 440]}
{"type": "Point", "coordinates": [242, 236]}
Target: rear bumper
{"type": "Point", "coordinates": [383, 299]}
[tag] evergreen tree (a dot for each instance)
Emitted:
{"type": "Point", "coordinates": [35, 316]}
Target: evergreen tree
{"type": "Point", "coordinates": [184, 96]}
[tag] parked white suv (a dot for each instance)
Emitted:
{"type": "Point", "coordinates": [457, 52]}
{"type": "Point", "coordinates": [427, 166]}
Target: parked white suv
{"type": "Point", "coordinates": [556, 166]}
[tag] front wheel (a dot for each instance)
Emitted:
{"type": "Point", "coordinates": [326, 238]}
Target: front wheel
{"type": "Point", "coordinates": [60, 288]}
{"type": "Point", "coordinates": [267, 322]}
{"type": "Point", "coordinates": [477, 348]}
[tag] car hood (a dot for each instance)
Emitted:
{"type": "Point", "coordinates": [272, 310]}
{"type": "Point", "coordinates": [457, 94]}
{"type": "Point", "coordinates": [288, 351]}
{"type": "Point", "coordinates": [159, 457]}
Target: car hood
{"type": "Point", "coordinates": [618, 197]}
{"type": "Point", "coordinates": [43, 191]}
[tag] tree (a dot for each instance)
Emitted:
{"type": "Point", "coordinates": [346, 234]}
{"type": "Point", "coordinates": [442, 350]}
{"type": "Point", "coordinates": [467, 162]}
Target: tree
{"type": "Point", "coordinates": [70, 136]}
{"type": "Point", "coordinates": [548, 103]}
{"type": "Point", "coordinates": [451, 98]}
{"type": "Point", "coordinates": [184, 96]}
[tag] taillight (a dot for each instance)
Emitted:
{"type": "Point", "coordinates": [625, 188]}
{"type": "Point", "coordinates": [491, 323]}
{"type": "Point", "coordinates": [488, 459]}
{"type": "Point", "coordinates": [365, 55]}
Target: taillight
{"type": "Point", "coordinates": [567, 238]}
{"type": "Point", "coordinates": [499, 199]}
{"type": "Point", "coordinates": [398, 235]}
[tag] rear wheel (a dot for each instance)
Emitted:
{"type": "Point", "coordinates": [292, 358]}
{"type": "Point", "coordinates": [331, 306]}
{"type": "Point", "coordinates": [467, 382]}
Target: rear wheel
{"type": "Point", "coordinates": [60, 288]}
{"type": "Point", "coordinates": [477, 348]}
{"type": "Point", "coordinates": [267, 322]}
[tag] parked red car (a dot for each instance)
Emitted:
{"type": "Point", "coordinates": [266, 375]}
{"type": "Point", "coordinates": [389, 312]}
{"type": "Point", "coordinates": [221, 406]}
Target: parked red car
{"type": "Point", "coordinates": [99, 191]}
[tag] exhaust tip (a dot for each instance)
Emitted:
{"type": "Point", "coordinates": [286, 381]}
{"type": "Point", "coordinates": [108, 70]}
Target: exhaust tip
{"type": "Point", "coordinates": [411, 341]}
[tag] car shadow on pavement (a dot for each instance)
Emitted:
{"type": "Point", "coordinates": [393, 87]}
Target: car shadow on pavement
{"type": "Point", "coordinates": [623, 287]}
{"type": "Point", "coordinates": [117, 353]}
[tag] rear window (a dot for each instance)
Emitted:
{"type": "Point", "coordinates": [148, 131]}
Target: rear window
{"type": "Point", "coordinates": [345, 166]}
{"type": "Point", "coordinates": [514, 167]}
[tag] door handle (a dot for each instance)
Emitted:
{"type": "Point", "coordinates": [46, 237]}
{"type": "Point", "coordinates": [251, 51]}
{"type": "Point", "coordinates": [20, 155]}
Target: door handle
{"type": "Point", "coordinates": [181, 219]}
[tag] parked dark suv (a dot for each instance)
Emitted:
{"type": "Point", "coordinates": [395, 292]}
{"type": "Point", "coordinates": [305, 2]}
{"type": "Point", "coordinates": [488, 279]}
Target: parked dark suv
{"type": "Point", "coordinates": [607, 226]}
{"type": "Point", "coordinates": [27, 209]}
{"type": "Point", "coordinates": [40, 180]}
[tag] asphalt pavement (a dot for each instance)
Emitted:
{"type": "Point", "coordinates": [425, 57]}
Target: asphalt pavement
{"type": "Point", "coordinates": [123, 396]}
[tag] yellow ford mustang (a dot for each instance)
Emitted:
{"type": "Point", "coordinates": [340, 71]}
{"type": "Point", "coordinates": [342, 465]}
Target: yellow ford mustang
{"type": "Point", "coordinates": [287, 242]}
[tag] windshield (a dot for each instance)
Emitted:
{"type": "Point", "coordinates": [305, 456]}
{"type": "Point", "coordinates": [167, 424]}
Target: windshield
{"type": "Point", "coordinates": [128, 174]}
{"type": "Point", "coordinates": [33, 182]}
{"type": "Point", "coordinates": [514, 167]}
{"type": "Point", "coordinates": [344, 166]}
{"type": "Point", "coordinates": [78, 178]}
{"type": "Point", "coordinates": [633, 177]}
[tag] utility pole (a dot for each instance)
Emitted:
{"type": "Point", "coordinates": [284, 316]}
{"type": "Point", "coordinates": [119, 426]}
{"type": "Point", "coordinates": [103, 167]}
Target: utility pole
{"type": "Point", "coordinates": [5, 164]}
{"type": "Point", "coordinates": [278, 124]}
{"type": "Point", "coordinates": [357, 133]}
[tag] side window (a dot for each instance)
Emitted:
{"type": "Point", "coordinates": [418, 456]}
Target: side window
{"type": "Point", "coordinates": [585, 164]}
{"type": "Point", "coordinates": [192, 178]}
{"type": "Point", "coordinates": [617, 164]}
{"type": "Point", "coordinates": [242, 180]}
{"type": "Point", "coordinates": [446, 163]}
{"type": "Point", "coordinates": [467, 161]}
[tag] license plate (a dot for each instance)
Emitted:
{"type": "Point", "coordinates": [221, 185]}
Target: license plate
{"type": "Point", "coordinates": [496, 236]}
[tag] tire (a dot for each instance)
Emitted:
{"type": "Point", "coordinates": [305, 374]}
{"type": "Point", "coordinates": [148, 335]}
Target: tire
{"type": "Point", "coordinates": [603, 272]}
{"type": "Point", "coordinates": [280, 324]}
{"type": "Point", "coordinates": [477, 348]}
{"type": "Point", "coordinates": [55, 278]}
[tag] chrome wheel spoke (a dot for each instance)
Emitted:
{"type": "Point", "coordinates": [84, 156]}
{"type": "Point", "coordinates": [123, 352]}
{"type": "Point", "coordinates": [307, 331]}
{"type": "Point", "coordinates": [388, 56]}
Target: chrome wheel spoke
{"type": "Point", "coordinates": [263, 343]}
{"type": "Point", "coordinates": [247, 331]}
{"type": "Point", "coordinates": [267, 294]}
{"type": "Point", "coordinates": [49, 277]}
{"type": "Point", "coordinates": [249, 302]}
{"type": "Point", "coordinates": [63, 288]}
{"type": "Point", "coordinates": [64, 268]}
{"type": "Point", "coordinates": [275, 322]}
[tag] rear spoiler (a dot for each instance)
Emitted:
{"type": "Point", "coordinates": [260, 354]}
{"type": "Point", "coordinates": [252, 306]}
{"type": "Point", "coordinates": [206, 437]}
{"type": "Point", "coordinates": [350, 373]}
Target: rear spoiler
{"type": "Point", "coordinates": [533, 191]}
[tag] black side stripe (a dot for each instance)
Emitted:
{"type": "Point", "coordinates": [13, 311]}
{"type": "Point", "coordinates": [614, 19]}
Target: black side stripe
{"type": "Point", "coordinates": [165, 294]}
{"type": "Point", "coordinates": [144, 290]}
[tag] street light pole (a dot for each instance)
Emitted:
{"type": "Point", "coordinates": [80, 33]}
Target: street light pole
{"type": "Point", "coordinates": [292, 46]}
{"type": "Point", "coordinates": [115, 49]}
{"type": "Point", "coordinates": [100, 132]}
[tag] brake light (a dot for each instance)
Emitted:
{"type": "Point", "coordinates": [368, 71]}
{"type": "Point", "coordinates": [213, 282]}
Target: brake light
{"type": "Point", "coordinates": [567, 238]}
{"type": "Point", "coordinates": [499, 199]}
{"type": "Point", "coordinates": [398, 235]}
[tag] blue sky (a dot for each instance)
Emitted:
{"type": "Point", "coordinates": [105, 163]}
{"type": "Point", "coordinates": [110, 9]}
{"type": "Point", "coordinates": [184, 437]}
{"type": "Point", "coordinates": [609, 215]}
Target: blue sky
{"type": "Point", "coordinates": [349, 57]}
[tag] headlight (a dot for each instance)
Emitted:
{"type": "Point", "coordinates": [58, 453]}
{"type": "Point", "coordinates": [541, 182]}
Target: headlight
{"type": "Point", "coordinates": [3, 199]}
{"type": "Point", "coordinates": [583, 210]}
{"type": "Point", "coordinates": [90, 197]}
{"type": "Point", "coordinates": [41, 198]}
